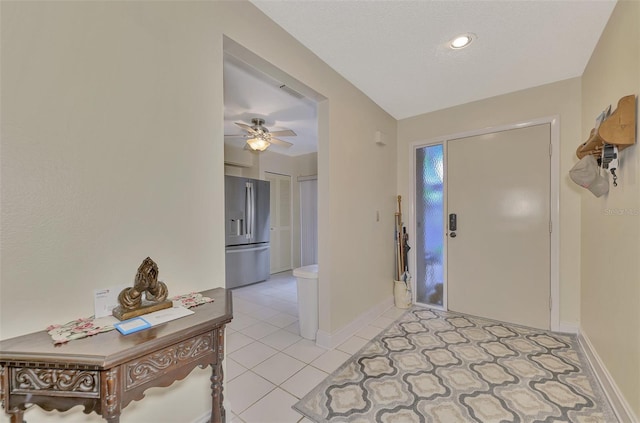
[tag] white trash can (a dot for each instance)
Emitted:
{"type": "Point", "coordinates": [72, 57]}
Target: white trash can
{"type": "Point", "coordinates": [402, 294]}
{"type": "Point", "coordinates": [307, 280]}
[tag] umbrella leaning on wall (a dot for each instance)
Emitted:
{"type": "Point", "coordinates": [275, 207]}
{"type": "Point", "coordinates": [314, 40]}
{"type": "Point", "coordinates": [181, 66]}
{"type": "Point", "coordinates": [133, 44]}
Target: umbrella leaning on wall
{"type": "Point", "coordinates": [401, 288]}
{"type": "Point", "coordinates": [402, 246]}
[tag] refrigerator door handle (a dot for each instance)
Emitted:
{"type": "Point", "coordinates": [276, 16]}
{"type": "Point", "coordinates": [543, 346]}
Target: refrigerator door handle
{"type": "Point", "coordinates": [249, 209]}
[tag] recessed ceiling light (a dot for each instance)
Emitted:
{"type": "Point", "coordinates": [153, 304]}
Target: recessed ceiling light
{"type": "Point", "coordinates": [462, 41]}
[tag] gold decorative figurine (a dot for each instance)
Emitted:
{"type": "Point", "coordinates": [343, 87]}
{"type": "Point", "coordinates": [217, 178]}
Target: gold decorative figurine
{"type": "Point", "coordinates": [146, 282]}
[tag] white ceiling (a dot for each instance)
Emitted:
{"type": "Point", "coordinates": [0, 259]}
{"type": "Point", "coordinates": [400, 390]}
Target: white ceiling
{"type": "Point", "coordinates": [396, 52]}
{"type": "Point", "coordinates": [249, 93]}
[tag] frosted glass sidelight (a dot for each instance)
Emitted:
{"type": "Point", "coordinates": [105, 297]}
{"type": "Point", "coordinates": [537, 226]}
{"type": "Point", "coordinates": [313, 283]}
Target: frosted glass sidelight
{"type": "Point", "coordinates": [429, 225]}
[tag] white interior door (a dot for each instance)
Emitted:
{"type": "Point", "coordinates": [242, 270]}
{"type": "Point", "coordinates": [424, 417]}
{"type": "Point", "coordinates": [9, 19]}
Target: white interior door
{"type": "Point", "coordinates": [498, 261]}
{"type": "Point", "coordinates": [280, 234]}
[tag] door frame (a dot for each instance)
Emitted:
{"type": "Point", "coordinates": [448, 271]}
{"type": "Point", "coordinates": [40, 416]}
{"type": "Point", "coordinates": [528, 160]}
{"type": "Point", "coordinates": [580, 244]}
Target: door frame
{"type": "Point", "coordinates": [554, 203]}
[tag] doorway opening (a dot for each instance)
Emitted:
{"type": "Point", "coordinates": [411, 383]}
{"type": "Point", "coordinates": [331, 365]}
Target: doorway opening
{"type": "Point", "coordinates": [257, 91]}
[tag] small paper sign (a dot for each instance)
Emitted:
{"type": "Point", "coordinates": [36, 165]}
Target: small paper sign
{"type": "Point", "coordinates": [105, 300]}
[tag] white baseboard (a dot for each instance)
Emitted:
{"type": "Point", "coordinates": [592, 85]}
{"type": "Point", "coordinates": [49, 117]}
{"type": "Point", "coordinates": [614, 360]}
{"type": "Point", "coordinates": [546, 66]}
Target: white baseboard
{"type": "Point", "coordinates": [620, 406]}
{"type": "Point", "coordinates": [569, 327]}
{"type": "Point", "coordinates": [332, 340]}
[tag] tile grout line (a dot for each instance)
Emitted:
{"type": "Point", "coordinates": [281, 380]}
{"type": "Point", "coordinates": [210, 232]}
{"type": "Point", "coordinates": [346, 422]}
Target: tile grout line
{"type": "Point", "coordinates": [247, 299]}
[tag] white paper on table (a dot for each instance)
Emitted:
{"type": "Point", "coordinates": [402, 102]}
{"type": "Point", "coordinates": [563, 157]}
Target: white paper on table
{"type": "Point", "coordinates": [166, 315]}
{"type": "Point", "coordinates": [105, 300]}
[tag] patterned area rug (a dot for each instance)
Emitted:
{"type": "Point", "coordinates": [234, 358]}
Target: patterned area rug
{"type": "Point", "coordinates": [434, 366]}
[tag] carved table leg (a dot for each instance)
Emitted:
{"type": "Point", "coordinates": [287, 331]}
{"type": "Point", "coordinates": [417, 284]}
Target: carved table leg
{"type": "Point", "coordinates": [110, 389]}
{"type": "Point", "coordinates": [17, 416]}
{"type": "Point", "coordinates": [217, 377]}
{"type": "Point", "coordinates": [217, 409]}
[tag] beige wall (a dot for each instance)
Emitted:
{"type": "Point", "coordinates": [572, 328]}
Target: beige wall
{"type": "Point", "coordinates": [237, 160]}
{"type": "Point", "coordinates": [560, 98]}
{"type": "Point", "coordinates": [611, 224]}
{"type": "Point", "coordinates": [109, 155]}
{"type": "Point", "coordinates": [112, 150]}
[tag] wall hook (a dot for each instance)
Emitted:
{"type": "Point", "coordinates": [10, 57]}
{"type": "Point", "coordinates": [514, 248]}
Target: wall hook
{"type": "Point", "coordinates": [617, 129]}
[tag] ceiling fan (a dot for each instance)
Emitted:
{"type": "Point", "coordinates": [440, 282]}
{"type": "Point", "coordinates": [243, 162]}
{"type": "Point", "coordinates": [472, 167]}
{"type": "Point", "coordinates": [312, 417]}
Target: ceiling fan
{"type": "Point", "coordinates": [259, 138]}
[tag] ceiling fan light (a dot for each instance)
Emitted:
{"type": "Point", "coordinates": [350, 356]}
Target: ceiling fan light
{"type": "Point", "coordinates": [258, 144]}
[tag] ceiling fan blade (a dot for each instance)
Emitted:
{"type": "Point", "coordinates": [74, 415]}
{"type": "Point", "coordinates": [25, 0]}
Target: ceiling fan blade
{"type": "Point", "coordinates": [281, 143]}
{"type": "Point", "coordinates": [246, 127]}
{"type": "Point", "coordinates": [235, 136]}
{"type": "Point", "coordinates": [243, 125]}
{"type": "Point", "coordinates": [284, 133]}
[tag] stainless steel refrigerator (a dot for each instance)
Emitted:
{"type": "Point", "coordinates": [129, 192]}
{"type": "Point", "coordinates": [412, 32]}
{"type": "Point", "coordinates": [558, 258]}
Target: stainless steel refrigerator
{"type": "Point", "coordinates": [247, 231]}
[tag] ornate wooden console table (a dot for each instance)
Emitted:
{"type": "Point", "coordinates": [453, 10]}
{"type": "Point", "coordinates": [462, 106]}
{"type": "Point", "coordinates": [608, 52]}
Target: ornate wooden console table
{"type": "Point", "coordinates": [105, 372]}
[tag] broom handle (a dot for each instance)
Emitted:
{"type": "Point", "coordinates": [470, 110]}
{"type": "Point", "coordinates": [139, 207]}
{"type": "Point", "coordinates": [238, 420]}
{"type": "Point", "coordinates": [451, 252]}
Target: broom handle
{"type": "Point", "coordinates": [397, 248]}
{"type": "Point", "coordinates": [400, 245]}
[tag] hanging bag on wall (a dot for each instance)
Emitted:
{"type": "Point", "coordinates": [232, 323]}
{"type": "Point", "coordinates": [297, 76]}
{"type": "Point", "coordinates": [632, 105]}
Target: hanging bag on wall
{"type": "Point", "coordinates": [586, 173]}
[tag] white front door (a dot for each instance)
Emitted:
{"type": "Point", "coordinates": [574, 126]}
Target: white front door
{"type": "Point", "coordinates": [280, 234]}
{"type": "Point", "coordinates": [498, 258]}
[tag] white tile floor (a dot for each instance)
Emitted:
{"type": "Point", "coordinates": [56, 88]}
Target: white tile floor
{"type": "Point", "coordinates": [269, 367]}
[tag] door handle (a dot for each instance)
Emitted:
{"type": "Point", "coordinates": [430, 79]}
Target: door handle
{"type": "Point", "coordinates": [453, 224]}
{"type": "Point", "coordinates": [248, 192]}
